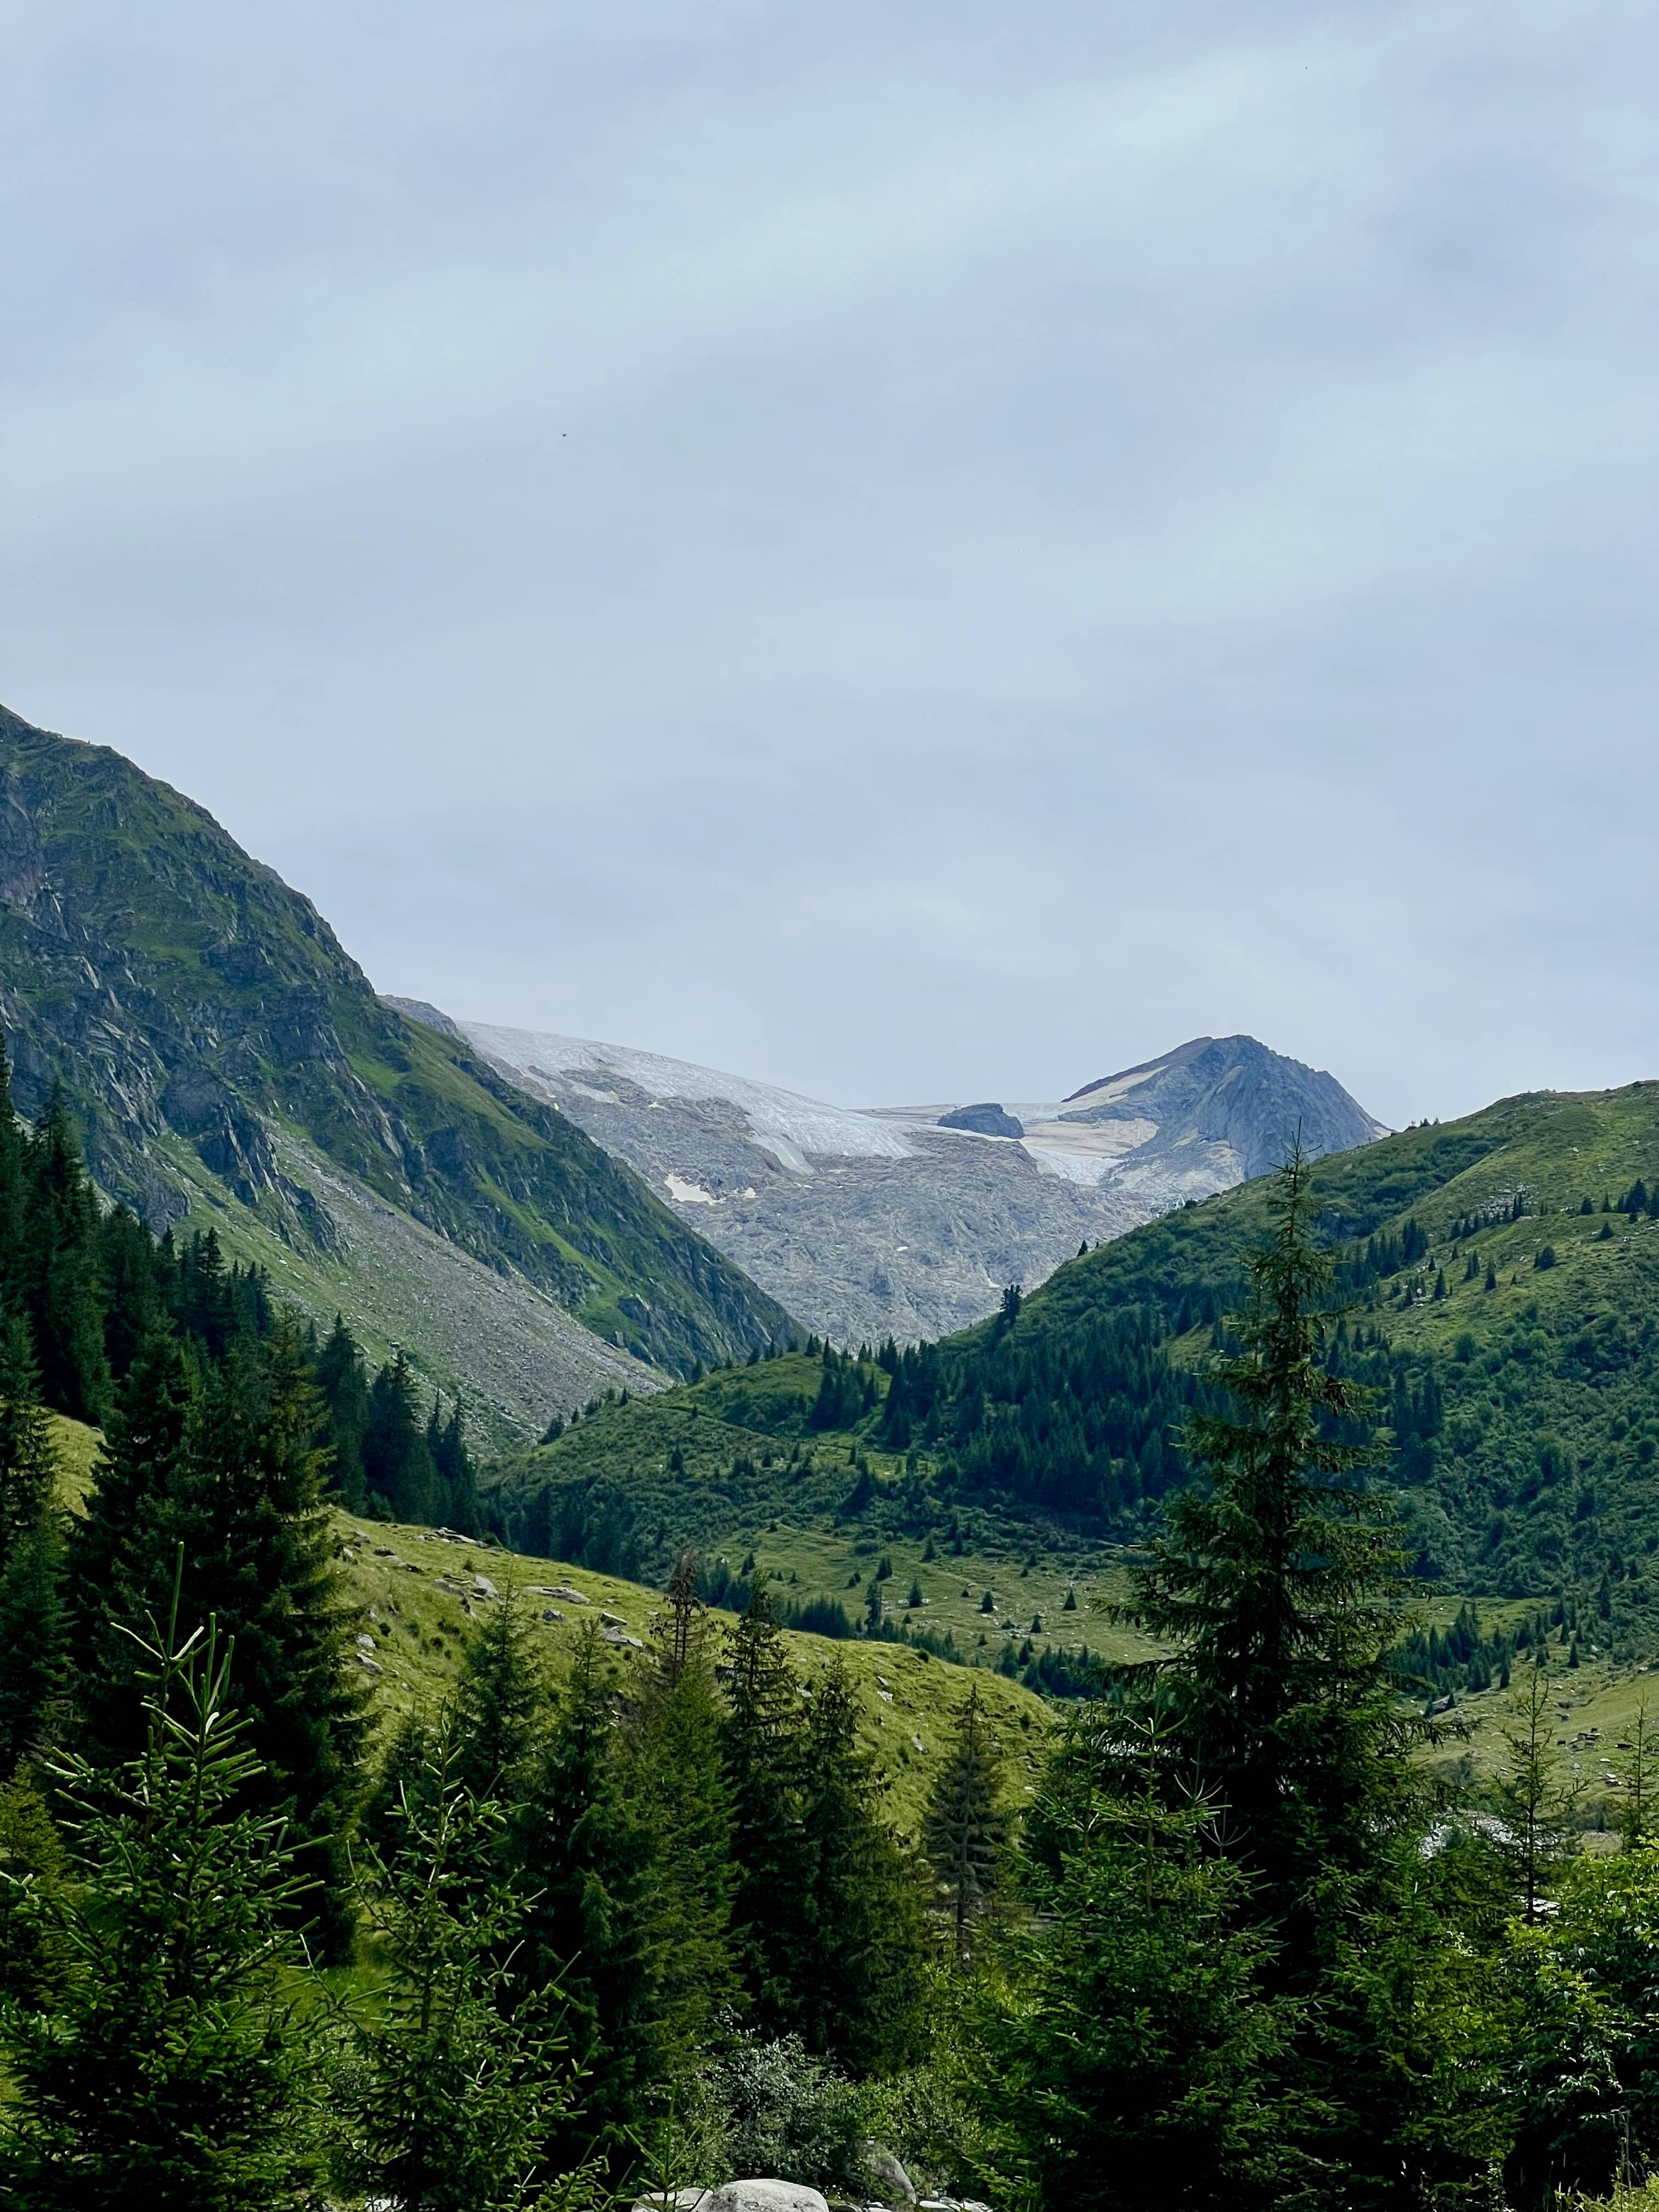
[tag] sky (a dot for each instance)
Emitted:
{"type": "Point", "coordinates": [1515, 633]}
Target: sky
{"type": "Point", "coordinates": [915, 550]}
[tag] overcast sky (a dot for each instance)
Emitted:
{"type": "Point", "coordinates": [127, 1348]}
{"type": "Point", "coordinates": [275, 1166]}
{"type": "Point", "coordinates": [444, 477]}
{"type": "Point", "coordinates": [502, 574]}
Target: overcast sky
{"type": "Point", "coordinates": [916, 549]}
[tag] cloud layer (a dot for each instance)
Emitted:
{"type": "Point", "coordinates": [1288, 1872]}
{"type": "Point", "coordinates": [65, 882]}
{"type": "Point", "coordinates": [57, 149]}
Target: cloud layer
{"type": "Point", "coordinates": [910, 550]}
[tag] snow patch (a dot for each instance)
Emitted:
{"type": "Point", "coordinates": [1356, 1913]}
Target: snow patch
{"type": "Point", "coordinates": [689, 1194]}
{"type": "Point", "coordinates": [789, 1127]}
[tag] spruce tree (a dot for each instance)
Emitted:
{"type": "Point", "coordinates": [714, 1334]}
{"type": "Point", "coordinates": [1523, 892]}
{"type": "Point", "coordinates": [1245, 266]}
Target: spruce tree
{"type": "Point", "coordinates": [60, 1288]}
{"type": "Point", "coordinates": [499, 1700]}
{"type": "Point", "coordinates": [129, 1274]}
{"type": "Point", "coordinates": [1280, 1590]}
{"type": "Point", "coordinates": [397, 1465]}
{"type": "Point", "coordinates": [157, 2069]}
{"type": "Point", "coordinates": [446, 1444]}
{"type": "Point", "coordinates": [681, 1802]}
{"type": "Point", "coordinates": [1533, 1798]}
{"type": "Point", "coordinates": [866, 1939]}
{"type": "Point", "coordinates": [458, 2083]}
{"type": "Point", "coordinates": [965, 1828]}
{"type": "Point", "coordinates": [123, 1548]}
{"type": "Point", "coordinates": [31, 1628]}
{"type": "Point", "coordinates": [585, 1845]}
{"type": "Point", "coordinates": [344, 1386]}
{"type": "Point", "coordinates": [1120, 2051]}
{"type": "Point", "coordinates": [259, 1555]}
{"type": "Point", "coordinates": [12, 1282]}
{"type": "Point", "coordinates": [765, 1750]}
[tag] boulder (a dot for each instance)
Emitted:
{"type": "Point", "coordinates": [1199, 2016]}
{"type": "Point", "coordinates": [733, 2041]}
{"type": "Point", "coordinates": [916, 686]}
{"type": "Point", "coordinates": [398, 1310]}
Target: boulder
{"type": "Point", "coordinates": [883, 2169]}
{"type": "Point", "coordinates": [674, 2200]}
{"type": "Point", "coordinates": [765, 2197]}
{"type": "Point", "coordinates": [483, 1587]}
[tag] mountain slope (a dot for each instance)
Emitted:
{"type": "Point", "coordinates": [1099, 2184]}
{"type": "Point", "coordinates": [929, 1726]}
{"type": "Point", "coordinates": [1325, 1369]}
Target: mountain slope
{"type": "Point", "coordinates": [909, 1221]}
{"type": "Point", "coordinates": [1511, 1336]}
{"type": "Point", "coordinates": [226, 1057]}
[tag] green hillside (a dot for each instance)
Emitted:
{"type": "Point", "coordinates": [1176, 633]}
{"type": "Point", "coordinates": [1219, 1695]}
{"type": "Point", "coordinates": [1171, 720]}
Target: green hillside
{"type": "Point", "coordinates": [230, 1064]}
{"type": "Point", "coordinates": [1509, 1323]}
{"type": "Point", "coordinates": [417, 1591]}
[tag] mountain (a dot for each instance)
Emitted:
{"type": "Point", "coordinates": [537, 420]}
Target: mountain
{"type": "Point", "coordinates": [909, 1221]}
{"type": "Point", "coordinates": [230, 1065]}
{"type": "Point", "coordinates": [1500, 1275]}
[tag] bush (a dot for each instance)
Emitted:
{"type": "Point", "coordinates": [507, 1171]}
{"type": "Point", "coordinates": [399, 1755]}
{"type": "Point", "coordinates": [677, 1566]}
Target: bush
{"type": "Point", "coordinates": [772, 2108]}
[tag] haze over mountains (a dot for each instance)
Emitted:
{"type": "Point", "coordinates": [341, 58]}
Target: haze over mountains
{"type": "Point", "coordinates": [909, 1221]}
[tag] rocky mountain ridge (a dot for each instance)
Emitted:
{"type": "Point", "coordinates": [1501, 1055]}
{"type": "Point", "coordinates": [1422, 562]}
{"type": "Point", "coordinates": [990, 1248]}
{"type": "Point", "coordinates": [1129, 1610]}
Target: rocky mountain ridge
{"type": "Point", "coordinates": [909, 1221]}
{"type": "Point", "coordinates": [229, 1062]}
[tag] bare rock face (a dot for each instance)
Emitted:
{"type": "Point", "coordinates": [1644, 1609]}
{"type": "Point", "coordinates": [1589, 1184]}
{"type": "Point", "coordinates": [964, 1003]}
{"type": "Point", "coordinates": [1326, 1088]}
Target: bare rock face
{"type": "Point", "coordinates": [986, 1120]}
{"type": "Point", "coordinates": [910, 1221]}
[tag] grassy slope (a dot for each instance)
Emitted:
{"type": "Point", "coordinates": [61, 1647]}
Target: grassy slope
{"type": "Point", "coordinates": [399, 1575]}
{"type": "Point", "coordinates": [415, 1590]}
{"type": "Point", "coordinates": [753, 1478]}
{"type": "Point", "coordinates": [177, 986]}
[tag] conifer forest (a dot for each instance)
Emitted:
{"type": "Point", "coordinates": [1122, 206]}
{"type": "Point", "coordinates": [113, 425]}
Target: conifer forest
{"type": "Point", "coordinates": [637, 1916]}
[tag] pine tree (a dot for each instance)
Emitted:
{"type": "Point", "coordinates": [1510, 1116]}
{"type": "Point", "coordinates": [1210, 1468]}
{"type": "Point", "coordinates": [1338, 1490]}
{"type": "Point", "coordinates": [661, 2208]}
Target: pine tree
{"type": "Point", "coordinates": [964, 1828]}
{"type": "Point", "coordinates": [1280, 1590]}
{"type": "Point", "coordinates": [156, 2070]}
{"type": "Point", "coordinates": [499, 1698]}
{"type": "Point", "coordinates": [585, 1845]}
{"type": "Point", "coordinates": [680, 1800]}
{"type": "Point", "coordinates": [764, 1750]}
{"type": "Point", "coordinates": [397, 1465]}
{"type": "Point", "coordinates": [866, 1941]}
{"type": "Point", "coordinates": [13, 1281]}
{"type": "Point", "coordinates": [344, 1386]}
{"type": "Point", "coordinates": [122, 1551]}
{"type": "Point", "coordinates": [1120, 2052]}
{"type": "Point", "coordinates": [458, 2083]}
{"type": "Point", "coordinates": [1533, 1798]}
{"type": "Point", "coordinates": [31, 1634]}
{"type": "Point", "coordinates": [259, 1555]}
{"type": "Point", "coordinates": [60, 1289]}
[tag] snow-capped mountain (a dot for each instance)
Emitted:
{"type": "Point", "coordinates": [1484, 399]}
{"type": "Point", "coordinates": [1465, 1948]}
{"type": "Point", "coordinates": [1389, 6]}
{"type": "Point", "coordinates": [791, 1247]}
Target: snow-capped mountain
{"type": "Point", "coordinates": [909, 1221]}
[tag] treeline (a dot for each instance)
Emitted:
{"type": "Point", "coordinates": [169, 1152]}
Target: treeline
{"type": "Point", "coordinates": [92, 1287]}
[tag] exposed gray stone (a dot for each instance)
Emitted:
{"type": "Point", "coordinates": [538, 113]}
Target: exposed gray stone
{"type": "Point", "coordinates": [765, 2197]}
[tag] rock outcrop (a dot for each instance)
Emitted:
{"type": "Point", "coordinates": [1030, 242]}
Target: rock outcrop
{"type": "Point", "coordinates": [909, 1221]}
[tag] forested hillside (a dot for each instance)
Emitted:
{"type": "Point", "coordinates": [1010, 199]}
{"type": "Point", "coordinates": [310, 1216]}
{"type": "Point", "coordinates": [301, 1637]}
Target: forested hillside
{"type": "Point", "coordinates": [227, 1061]}
{"type": "Point", "coordinates": [1500, 1278]}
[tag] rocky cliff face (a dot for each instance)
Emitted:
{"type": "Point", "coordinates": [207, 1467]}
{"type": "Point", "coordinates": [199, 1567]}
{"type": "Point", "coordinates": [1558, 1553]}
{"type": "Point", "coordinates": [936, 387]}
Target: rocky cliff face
{"type": "Point", "coordinates": [227, 1058]}
{"type": "Point", "coordinates": [912, 1220]}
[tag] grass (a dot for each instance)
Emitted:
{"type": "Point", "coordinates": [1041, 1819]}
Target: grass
{"type": "Point", "coordinates": [418, 1592]}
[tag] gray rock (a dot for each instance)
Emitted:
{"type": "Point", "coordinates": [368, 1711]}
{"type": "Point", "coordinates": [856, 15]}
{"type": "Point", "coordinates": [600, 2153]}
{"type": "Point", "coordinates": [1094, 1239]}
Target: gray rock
{"type": "Point", "coordinates": [863, 1222]}
{"type": "Point", "coordinates": [620, 1636]}
{"type": "Point", "coordinates": [483, 1587]}
{"type": "Point", "coordinates": [551, 1612]}
{"type": "Point", "coordinates": [674, 2200]}
{"type": "Point", "coordinates": [883, 2169]}
{"type": "Point", "coordinates": [370, 1666]}
{"type": "Point", "coordinates": [765, 2197]}
{"type": "Point", "coordinates": [984, 1120]}
{"type": "Point", "coordinates": [563, 1590]}
{"type": "Point", "coordinates": [366, 1644]}
{"type": "Point", "coordinates": [612, 1620]}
